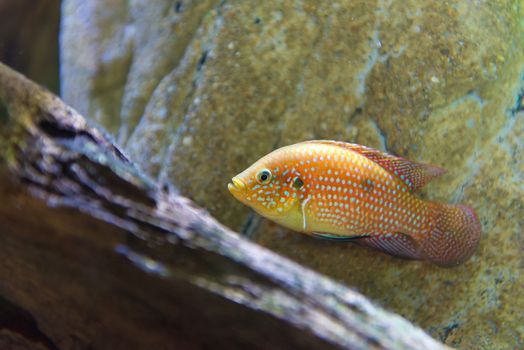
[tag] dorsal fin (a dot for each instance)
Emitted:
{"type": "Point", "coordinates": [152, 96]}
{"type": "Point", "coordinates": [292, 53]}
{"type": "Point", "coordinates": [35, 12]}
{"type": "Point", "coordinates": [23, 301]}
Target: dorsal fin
{"type": "Point", "coordinates": [414, 175]}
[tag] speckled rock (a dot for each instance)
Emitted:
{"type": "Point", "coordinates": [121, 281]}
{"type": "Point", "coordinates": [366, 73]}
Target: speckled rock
{"type": "Point", "coordinates": [197, 90]}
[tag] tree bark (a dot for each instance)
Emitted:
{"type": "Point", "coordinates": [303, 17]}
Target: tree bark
{"type": "Point", "coordinates": [97, 255]}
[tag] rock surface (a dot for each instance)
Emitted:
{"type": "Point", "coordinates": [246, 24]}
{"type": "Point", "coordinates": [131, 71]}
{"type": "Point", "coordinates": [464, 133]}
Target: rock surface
{"type": "Point", "coordinates": [197, 90]}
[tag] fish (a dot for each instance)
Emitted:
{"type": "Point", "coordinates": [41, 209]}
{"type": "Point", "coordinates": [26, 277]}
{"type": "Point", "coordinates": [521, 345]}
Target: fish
{"type": "Point", "coordinates": [349, 192]}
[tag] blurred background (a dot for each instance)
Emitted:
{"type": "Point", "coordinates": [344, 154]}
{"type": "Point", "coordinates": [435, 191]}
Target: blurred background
{"type": "Point", "coordinates": [29, 39]}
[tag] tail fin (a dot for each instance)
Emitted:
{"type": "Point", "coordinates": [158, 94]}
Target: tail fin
{"type": "Point", "coordinates": [455, 234]}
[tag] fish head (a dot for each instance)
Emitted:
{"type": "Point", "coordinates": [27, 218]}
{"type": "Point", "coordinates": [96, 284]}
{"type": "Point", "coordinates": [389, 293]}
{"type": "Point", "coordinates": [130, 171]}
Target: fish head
{"type": "Point", "coordinates": [271, 189]}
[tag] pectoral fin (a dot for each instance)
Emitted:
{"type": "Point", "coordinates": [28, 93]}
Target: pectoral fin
{"type": "Point", "coordinates": [339, 238]}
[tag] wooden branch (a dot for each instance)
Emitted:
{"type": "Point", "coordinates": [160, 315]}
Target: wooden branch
{"type": "Point", "coordinates": [98, 255]}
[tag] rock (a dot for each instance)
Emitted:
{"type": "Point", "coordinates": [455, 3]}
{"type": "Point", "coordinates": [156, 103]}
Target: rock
{"type": "Point", "coordinates": [199, 90]}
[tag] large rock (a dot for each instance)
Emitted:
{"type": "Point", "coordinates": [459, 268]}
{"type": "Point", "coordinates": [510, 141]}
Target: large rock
{"type": "Point", "coordinates": [196, 91]}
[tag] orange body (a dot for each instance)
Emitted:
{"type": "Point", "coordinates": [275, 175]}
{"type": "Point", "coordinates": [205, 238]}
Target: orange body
{"type": "Point", "coordinates": [345, 191]}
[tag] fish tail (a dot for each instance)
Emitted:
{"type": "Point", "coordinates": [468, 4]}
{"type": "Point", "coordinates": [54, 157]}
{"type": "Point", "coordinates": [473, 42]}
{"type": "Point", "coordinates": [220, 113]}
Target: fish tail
{"type": "Point", "coordinates": [454, 235]}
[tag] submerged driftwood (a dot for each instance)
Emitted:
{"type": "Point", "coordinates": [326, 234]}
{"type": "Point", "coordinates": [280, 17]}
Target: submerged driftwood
{"type": "Point", "coordinates": [96, 255]}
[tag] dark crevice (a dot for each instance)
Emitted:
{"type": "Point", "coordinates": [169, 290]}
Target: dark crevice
{"type": "Point", "coordinates": [179, 6]}
{"type": "Point", "coordinates": [4, 113]}
{"type": "Point", "coordinates": [448, 330]}
{"type": "Point", "coordinates": [202, 60]}
{"type": "Point", "coordinates": [354, 114]}
{"type": "Point", "coordinates": [54, 129]}
{"type": "Point", "coordinates": [18, 320]}
{"type": "Point", "coordinates": [519, 105]}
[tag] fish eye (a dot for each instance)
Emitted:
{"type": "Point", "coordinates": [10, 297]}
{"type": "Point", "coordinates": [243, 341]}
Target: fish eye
{"type": "Point", "coordinates": [297, 182]}
{"type": "Point", "coordinates": [264, 176]}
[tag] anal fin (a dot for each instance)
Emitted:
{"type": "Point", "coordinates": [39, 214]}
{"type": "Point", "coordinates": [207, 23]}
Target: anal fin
{"type": "Point", "coordinates": [396, 244]}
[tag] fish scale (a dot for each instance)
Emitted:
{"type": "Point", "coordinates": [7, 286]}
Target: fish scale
{"type": "Point", "coordinates": [355, 193]}
{"type": "Point", "coordinates": [333, 190]}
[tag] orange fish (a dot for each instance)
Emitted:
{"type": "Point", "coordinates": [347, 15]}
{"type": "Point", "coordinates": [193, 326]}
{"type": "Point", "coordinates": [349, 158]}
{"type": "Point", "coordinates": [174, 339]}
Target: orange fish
{"type": "Point", "coordinates": [343, 191]}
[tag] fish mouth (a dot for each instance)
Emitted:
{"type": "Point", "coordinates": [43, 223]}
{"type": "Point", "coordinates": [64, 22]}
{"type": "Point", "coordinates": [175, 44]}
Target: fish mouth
{"type": "Point", "coordinates": [236, 186]}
